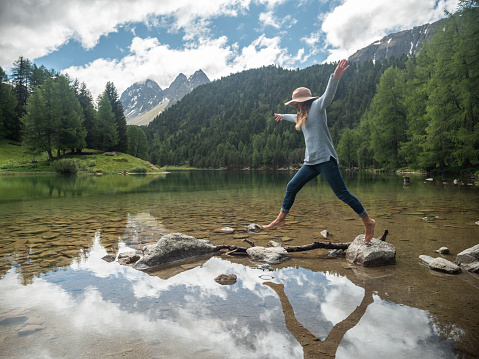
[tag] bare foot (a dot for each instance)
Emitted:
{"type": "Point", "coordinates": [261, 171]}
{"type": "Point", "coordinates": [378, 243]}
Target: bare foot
{"type": "Point", "coordinates": [369, 224]}
{"type": "Point", "coordinates": [278, 222]}
{"type": "Point", "coordinates": [273, 224]}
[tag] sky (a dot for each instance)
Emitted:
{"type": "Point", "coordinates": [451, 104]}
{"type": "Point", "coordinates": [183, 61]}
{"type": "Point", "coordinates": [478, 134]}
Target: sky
{"type": "Point", "coordinates": [128, 41]}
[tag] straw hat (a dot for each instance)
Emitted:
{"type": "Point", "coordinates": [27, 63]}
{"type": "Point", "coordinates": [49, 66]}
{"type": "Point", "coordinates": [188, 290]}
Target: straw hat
{"type": "Point", "coordinates": [301, 94]}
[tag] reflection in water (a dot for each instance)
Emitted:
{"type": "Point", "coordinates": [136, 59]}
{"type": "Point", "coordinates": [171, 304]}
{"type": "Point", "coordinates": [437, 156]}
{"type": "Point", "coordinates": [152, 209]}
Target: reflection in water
{"type": "Point", "coordinates": [99, 309]}
{"type": "Point", "coordinates": [58, 298]}
{"type": "Point", "coordinates": [312, 346]}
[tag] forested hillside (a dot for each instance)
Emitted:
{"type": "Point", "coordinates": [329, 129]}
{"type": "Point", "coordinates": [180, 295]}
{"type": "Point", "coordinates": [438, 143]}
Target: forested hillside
{"type": "Point", "coordinates": [420, 113]}
{"type": "Point", "coordinates": [230, 122]}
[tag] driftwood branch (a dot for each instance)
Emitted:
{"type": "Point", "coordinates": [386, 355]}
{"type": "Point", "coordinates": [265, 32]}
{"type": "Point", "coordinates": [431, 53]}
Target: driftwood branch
{"type": "Point", "coordinates": [234, 250]}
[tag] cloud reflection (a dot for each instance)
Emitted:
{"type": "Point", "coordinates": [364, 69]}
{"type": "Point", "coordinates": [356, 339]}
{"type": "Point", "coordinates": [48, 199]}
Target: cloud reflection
{"type": "Point", "coordinates": [98, 308]}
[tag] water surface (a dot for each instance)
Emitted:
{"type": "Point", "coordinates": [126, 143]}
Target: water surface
{"type": "Point", "coordinates": [58, 298]}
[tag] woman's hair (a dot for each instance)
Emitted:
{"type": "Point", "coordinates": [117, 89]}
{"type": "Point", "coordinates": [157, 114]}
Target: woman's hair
{"type": "Point", "coordinates": [303, 112]}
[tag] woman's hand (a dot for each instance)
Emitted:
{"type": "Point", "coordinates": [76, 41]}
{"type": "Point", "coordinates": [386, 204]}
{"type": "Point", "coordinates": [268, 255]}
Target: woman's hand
{"type": "Point", "coordinates": [340, 69]}
{"type": "Point", "coordinates": [278, 117]}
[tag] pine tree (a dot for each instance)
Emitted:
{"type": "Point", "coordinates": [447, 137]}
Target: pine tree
{"type": "Point", "coordinates": [10, 125]}
{"type": "Point", "coordinates": [137, 142]}
{"type": "Point", "coordinates": [106, 123]}
{"type": "Point", "coordinates": [120, 119]}
{"type": "Point", "coordinates": [90, 124]}
{"type": "Point", "coordinates": [21, 74]}
{"type": "Point", "coordinates": [38, 126]}
{"type": "Point", "coordinates": [71, 134]}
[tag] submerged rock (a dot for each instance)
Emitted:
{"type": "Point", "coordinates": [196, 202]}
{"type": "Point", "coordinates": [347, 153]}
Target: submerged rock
{"type": "Point", "coordinates": [226, 279]}
{"type": "Point", "coordinates": [128, 258]}
{"type": "Point", "coordinates": [373, 254]}
{"type": "Point", "coordinates": [174, 247]}
{"type": "Point", "coordinates": [272, 255]}
{"type": "Point", "coordinates": [109, 258]}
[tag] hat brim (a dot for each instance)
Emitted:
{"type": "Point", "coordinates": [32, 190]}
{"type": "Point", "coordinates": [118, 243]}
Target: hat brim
{"type": "Point", "coordinates": [301, 99]}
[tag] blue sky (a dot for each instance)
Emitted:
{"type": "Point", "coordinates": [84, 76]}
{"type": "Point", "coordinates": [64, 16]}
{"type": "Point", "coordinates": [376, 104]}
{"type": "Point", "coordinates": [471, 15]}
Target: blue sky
{"type": "Point", "coordinates": [127, 41]}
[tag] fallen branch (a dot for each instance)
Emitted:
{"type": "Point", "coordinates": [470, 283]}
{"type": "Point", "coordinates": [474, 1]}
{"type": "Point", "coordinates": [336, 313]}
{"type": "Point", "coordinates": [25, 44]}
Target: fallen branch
{"type": "Point", "coordinates": [307, 247]}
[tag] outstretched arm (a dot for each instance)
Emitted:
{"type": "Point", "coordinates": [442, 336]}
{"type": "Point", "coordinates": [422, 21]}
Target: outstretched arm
{"type": "Point", "coordinates": [340, 69]}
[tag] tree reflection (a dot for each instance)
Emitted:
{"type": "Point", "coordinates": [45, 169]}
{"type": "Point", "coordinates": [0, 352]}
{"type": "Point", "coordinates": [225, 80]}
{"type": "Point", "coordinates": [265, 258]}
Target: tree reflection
{"type": "Point", "coordinates": [312, 346]}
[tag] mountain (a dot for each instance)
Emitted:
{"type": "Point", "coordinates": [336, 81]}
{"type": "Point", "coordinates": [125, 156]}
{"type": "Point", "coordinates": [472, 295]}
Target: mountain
{"type": "Point", "coordinates": [143, 101]}
{"type": "Point", "coordinates": [407, 42]}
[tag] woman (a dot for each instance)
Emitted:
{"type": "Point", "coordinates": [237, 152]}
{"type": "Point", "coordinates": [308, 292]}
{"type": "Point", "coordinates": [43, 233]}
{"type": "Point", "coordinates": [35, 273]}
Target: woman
{"type": "Point", "coordinates": [320, 156]}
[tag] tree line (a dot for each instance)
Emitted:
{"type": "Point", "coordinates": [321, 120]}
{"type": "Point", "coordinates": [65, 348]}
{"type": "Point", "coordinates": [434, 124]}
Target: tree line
{"type": "Point", "coordinates": [419, 112]}
{"type": "Point", "coordinates": [49, 112]}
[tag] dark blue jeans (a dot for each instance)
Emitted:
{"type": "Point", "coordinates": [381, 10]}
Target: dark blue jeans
{"type": "Point", "coordinates": [330, 171]}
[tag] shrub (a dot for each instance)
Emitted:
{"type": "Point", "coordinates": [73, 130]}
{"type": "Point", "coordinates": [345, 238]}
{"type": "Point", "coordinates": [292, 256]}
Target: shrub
{"type": "Point", "coordinates": [66, 166]}
{"type": "Point", "coordinates": [138, 169]}
{"type": "Point", "coordinates": [8, 164]}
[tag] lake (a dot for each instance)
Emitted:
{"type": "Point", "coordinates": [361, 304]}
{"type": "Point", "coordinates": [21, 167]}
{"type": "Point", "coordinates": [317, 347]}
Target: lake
{"type": "Point", "coordinates": [60, 299]}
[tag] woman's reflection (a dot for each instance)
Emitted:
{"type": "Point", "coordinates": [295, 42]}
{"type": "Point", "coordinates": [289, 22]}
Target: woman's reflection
{"type": "Point", "coordinates": [312, 346]}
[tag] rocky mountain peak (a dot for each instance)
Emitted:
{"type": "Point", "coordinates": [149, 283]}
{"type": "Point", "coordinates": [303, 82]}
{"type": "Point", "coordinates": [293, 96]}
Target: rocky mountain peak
{"type": "Point", "coordinates": [142, 101]}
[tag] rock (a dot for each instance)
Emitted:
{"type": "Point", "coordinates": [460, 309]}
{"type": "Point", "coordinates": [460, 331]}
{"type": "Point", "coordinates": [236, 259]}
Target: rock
{"type": "Point", "coordinates": [426, 259]}
{"type": "Point", "coordinates": [468, 259]}
{"type": "Point", "coordinates": [471, 267]}
{"type": "Point", "coordinates": [443, 250]}
{"type": "Point", "coordinates": [173, 247]}
{"type": "Point", "coordinates": [226, 279]}
{"type": "Point", "coordinates": [252, 228]}
{"type": "Point", "coordinates": [336, 253]}
{"type": "Point", "coordinates": [325, 234]}
{"type": "Point", "coordinates": [443, 265]}
{"type": "Point", "coordinates": [468, 256]}
{"type": "Point", "coordinates": [128, 258]}
{"type": "Point", "coordinates": [227, 229]}
{"type": "Point", "coordinates": [265, 267]}
{"type": "Point", "coordinates": [373, 254]}
{"type": "Point", "coordinates": [109, 258]}
{"type": "Point", "coordinates": [477, 223]}
{"type": "Point", "coordinates": [274, 244]}
{"type": "Point", "coordinates": [271, 255]}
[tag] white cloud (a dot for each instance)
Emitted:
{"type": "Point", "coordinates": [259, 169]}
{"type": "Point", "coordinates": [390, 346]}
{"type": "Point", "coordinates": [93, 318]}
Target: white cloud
{"type": "Point", "coordinates": [148, 58]}
{"type": "Point", "coordinates": [357, 23]}
{"type": "Point", "coordinates": [36, 28]}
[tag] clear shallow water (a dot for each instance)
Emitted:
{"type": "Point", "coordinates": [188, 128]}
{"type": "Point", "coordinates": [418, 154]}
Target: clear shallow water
{"type": "Point", "coordinates": [58, 298]}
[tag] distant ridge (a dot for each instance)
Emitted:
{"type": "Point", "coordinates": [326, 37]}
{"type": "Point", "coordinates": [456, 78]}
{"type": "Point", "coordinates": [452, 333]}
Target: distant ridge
{"type": "Point", "coordinates": [407, 42]}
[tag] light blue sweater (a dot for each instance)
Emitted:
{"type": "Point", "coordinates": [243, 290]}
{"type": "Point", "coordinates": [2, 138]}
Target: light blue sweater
{"type": "Point", "coordinates": [319, 146]}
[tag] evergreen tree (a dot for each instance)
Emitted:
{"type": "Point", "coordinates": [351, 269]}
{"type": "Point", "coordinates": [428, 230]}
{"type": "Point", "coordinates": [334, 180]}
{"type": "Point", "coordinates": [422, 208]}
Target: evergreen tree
{"type": "Point", "coordinates": [387, 118]}
{"type": "Point", "coordinates": [21, 74]}
{"type": "Point", "coordinates": [38, 125]}
{"type": "Point", "coordinates": [71, 134]}
{"type": "Point", "coordinates": [107, 126]}
{"type": "Point", "coordinates": [90, 124]}
{"type": "Point", "coordinates": [10, 125]}
{"type": "Point", "coordinates": [137, 142]}
{"type": "Point", "coordinates": [120, 119]}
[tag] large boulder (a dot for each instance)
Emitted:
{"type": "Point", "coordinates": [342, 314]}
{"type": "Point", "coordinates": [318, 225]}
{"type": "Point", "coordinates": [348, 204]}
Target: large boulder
{"type": "Point", "coordinates": [469, 259]}
{"type": "Point", "coordinates": [373, 254]}
{"type": "Point", "coordinates": [271, 255]}
{"type": "Point", "coordinates": [174, 247]}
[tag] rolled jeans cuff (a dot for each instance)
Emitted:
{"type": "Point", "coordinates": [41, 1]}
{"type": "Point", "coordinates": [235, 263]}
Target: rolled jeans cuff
{"type": "Point", "coordinates": [285, 211]}
{"type": "Point", "coordinates": [363, 214]}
